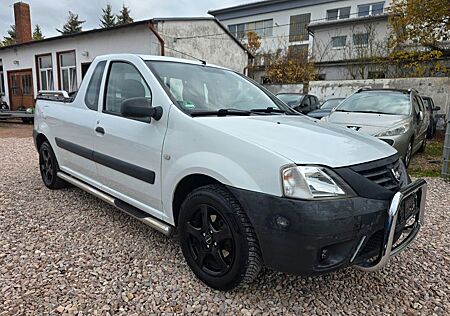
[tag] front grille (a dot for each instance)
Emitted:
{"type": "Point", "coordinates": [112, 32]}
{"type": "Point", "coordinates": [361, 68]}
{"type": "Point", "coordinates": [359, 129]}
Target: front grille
{"type": "Point", "coordinates": [383, 175]}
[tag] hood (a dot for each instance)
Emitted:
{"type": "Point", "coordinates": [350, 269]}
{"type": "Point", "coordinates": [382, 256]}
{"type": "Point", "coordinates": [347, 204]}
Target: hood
{"type": "Point", "coordinates": [302, 140]}
{"type": "Point", "coordinates": [319, 112]}
{"type": "Point", "coordinates": [368, 123]}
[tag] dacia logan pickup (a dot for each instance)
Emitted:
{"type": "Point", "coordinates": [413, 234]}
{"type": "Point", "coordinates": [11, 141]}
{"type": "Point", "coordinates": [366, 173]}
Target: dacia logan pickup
{"type": "Point", "coordinates": [244, 180]}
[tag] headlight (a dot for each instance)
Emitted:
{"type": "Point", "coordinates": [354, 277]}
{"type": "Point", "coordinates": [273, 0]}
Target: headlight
{"type": "Point", "coordinates": [398, 130]}
{"type": "Point", "coordinates": [313, 182]}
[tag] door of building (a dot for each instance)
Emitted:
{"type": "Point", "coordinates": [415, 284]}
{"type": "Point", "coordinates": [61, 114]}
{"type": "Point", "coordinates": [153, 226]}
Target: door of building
{"type": "Point", "coordinates": [21, 93]}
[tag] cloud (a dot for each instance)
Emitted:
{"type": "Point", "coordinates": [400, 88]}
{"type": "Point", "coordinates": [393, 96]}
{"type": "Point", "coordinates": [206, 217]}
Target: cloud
{"type": "Point", "coordinates": [52, 14]}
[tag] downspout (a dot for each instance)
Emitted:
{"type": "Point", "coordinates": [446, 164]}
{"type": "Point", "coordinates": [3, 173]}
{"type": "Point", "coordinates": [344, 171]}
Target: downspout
{"type": "Point", "coordinates": [152, 28]}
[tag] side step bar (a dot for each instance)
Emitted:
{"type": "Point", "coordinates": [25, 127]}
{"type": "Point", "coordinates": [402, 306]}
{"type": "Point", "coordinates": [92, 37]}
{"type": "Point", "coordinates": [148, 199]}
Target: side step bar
{"type": "Point", "coordinates": [121, 205]}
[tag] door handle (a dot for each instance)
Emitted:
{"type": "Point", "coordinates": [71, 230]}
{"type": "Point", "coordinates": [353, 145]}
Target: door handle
{"type": "Point", "coordinates": [100, 130]}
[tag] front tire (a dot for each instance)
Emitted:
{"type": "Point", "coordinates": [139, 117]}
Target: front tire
{"type": "Point", "coordinates": [48, 166]}
{"type": "Point", "coordinates": [217, 239]}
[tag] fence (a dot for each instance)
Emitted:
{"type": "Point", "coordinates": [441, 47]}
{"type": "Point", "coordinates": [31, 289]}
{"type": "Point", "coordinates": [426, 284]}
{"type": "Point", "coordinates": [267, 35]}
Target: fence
{"type": "Point", "coordinates": [446, 156]}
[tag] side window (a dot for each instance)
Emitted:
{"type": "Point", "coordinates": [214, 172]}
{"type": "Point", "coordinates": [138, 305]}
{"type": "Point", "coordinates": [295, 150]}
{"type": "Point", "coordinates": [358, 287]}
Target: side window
{"type": "Point", "coordinates": [307, 101]}
{"type": "Point", "coordinates": [93, 89]}
{"type": "Point", "coordinates": [124, 82]}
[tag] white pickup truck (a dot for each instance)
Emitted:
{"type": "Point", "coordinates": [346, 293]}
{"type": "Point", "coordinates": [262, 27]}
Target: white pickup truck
{"type": "Point", "coordinates": [245, 180]}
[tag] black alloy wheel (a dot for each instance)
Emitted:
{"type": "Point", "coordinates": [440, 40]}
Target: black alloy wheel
{"type": "Point", "coordinates": [217, 239]}
{"type": "Point", "coordinates": [210, 240]}
{"type": "Point", "coordinates": [48, 167]}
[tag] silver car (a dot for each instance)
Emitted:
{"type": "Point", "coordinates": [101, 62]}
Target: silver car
{"type": "Point", "coordinates": [398, 117]}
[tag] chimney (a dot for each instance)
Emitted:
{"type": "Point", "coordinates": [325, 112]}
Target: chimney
{"type": "Point", "coordinates": [23, 22]}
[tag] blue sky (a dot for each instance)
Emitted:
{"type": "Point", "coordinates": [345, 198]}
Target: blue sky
{"type": "Point", "coordinates": [51, 14]}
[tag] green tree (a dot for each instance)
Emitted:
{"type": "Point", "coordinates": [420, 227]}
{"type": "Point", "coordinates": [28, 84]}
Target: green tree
{"type": "Point", "coordinates": [124, 17]}
{"type": "Point", "coordinates": [108, 19]}
{"type": "Point", "coordinates": [10, 39]}
{"type": "Point", "coordinates": [37, 33]}
{"type": "Point", "coordinates": [73, 24]}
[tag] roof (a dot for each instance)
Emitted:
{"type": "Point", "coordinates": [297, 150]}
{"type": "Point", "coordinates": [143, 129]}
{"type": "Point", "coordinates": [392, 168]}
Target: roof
{"type": "Point", "coordinates": [261, 7]}
{"type": "Point", "coordinates": [137, 23]}
{"type": "Point", "coordinates": [325, 24]}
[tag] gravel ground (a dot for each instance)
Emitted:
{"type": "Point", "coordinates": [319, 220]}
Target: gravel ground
{"type": "Point", "coordinates": [65, 252]}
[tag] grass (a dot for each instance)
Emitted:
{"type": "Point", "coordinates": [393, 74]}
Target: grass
{"type": "Point", "coordinates": [429, 163]}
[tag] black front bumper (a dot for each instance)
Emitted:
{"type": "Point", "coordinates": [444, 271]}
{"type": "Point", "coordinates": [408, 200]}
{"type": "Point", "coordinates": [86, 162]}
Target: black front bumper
{"type": "Point", "coordinates": [314, 237]}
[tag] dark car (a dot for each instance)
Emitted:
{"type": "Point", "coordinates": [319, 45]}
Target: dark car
{"type": "Point", "coordinates": [432, 109]}
{"type": "Point", "coordinates": [326, 108]}
{"type": "Point", "coordinates": [303, 103]}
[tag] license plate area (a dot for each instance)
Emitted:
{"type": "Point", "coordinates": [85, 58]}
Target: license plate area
{"type": "Point", "coordinates": [409, 209]}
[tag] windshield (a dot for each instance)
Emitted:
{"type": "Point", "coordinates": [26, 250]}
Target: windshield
{"type": "Point", "coordinates": [382, 102]}
{"type": "Point", "coordinates": [290, 99]}
{"type": "Point", "coordinates": [198, 88]}
{"type": "Point", "coordinates": [332, 103]}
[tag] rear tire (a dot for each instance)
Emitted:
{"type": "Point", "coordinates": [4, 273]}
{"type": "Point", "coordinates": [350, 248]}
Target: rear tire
{"type": "Point", "coordinates": [217, 238]}
{"type": "Point", "coordinates": [423, 146]}
{"type": "Point", "coordinates": [48, 166]}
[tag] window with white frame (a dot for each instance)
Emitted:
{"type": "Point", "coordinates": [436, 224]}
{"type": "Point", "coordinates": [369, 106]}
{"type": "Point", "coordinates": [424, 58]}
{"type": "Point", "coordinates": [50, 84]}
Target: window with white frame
{"type": "Point", "coordinates": [45, 72]}
{"type": "Point", "coordinates": [263, 28]}
{"type": "Point", "coordinates": [361, 39]}
{"type": "Point", "coordinates": [2, 85]}
{"type": "Point", "coordinates": [339, 41]}
{"type": "Point", "coordinates": [339, 13]}
{"type": "Point", "coordinates": [371, 9]}
{"type": "Point", "coordinates": [67, 71]}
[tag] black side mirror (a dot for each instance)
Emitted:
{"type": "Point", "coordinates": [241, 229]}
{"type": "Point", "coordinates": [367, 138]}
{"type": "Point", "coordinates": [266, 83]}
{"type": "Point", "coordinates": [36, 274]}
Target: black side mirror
{"type": "Point", "coordinates": [437, 108]}
{"type": "Point", "coordinates": [140, 108]}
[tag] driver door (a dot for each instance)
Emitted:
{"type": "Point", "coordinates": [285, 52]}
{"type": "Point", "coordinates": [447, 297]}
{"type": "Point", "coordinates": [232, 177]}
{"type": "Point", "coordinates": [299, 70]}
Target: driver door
{"type": "Point", "coordinates": [129, 150]}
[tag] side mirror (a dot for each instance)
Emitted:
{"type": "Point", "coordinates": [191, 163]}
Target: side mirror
{"type": "Point", "coordinates": [140, 108]}
{"type": "Point", "coordinates": [437, 108]}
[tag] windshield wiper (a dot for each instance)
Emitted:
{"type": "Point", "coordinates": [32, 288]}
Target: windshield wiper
{"type": "Point", "coordinates": [221, 112]}
{"type": "Point", "coordinates": [371, 112]}
{"type": "Point", "coordinates": [268, 110]}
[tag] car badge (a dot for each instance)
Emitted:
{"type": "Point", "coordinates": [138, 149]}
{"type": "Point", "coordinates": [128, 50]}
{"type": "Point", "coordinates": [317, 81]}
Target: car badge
{"type": "Point", "coordinates": [396, 175]}
{"type": "Point", "coordinates": [355, 128]}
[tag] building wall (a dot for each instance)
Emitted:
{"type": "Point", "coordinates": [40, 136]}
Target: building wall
{"type": "Point", "coordinates": [378, 31]}
{"type": "Point", "coordinates": [284, 88]}
{"type": "Point", "coordinates": [186, 37]}
{"type": "Point", "coordinates": [437, 88]}
{"type": "Point", "coordinates": [280, 36]}
{"type": "Point", "coordinates": [135, 39]}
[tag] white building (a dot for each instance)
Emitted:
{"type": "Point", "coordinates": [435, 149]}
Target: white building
{"type": "Point", "coordinates": [61, 62]}
{"type": "Point", "coordinates": [282, 24]}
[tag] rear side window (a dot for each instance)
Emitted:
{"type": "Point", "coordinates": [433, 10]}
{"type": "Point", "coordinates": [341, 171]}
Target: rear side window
{"type": "Point", "coordinates": [93, 89]}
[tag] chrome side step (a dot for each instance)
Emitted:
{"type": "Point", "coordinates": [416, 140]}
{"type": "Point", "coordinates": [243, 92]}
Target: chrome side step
{"type": "Point", "coordinates": [119, 204]}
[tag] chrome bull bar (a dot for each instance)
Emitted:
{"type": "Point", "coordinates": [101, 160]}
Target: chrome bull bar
{"type": "Point", "coordinates": [388, 250]}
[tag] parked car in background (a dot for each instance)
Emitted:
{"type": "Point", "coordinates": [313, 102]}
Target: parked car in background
{"type": "Point", "coordinates": [398, 117]}
{"type": "Point", "coordinates": [246, 181]}
{"type": "Point", "coordinates": [432, 110]}
{"type": "Point", "coordinates": [326, 108]}
{"type": "Point", "coordinates": [303, 103]}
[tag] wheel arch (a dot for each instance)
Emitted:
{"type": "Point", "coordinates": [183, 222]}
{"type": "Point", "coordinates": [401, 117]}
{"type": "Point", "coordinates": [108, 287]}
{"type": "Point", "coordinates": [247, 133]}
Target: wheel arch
{"type": "Point", "coordinates": [185, 186]}
{"type": "Point", "coordinates": [40, 139]}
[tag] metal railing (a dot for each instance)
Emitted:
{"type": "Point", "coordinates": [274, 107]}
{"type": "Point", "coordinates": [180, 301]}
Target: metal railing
{"type": "Point", "coordinates": [446, 154]}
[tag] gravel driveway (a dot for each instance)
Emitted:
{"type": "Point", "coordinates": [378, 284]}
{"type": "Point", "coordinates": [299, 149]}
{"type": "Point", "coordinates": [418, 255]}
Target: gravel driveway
{"type": "Point", "coordinates": [67, 252]}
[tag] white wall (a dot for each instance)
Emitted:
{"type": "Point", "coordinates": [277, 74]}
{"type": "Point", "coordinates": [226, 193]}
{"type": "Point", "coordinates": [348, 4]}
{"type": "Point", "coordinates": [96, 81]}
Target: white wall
{"type": "Point", "coordinates": [220, 49]}
{"type": "Point", "coordinates": [281, 34]}
{"type": "Point", "coordinates": [136, 39]}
